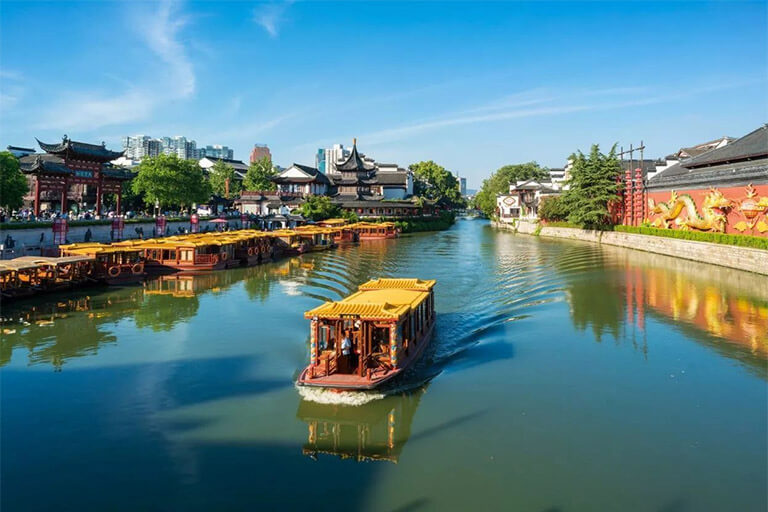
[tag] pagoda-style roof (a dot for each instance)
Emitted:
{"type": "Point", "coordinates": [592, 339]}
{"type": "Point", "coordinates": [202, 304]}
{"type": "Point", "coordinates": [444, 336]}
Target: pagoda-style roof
{"type": "Point", "coordinates": [80, 150]}
{"type": "Point", "coordinates": [354, 162]}
{"type": "Point", "coordinates": [46, 163]}
{"type": "Point", "coordinates": [43, 164]}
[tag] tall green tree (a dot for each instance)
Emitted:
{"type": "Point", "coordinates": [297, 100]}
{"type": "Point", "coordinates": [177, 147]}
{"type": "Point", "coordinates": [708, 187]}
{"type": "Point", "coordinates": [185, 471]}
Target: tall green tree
{"type": "Point", "coordinates": [433, 181]}
{"type": "Point", "coordinates": [499, 181]}
{"type": "Point", "coordinates": [171, 181]}
{"type": "Point", "coordinates": [219, 175]}
{"type": "Point", "coordinates": [593, 187]}
{"type": "Point", "coordinates": [319, 208]}
{"type": "Point", "coordinates": [259, 175]}
{"type": "Point", "coordinates": [13, 183]}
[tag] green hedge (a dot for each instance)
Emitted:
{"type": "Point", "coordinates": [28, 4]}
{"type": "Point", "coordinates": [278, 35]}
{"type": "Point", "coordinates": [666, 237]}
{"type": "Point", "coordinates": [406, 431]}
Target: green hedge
{"type": "Point", "coordinates": [754, 242]}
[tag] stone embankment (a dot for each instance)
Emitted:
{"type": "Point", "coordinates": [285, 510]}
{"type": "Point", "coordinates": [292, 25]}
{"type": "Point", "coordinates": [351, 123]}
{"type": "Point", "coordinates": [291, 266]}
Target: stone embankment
{"type": "Point", "coordinates": [741, 258]}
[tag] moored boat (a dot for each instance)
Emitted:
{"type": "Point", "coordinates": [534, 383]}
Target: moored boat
{"type": "Point", "coordinates": [387, 322]}
{"type": "Point", "coordinates": [375, 230]}
{"type": "Point", "coordinates": [115, 264]}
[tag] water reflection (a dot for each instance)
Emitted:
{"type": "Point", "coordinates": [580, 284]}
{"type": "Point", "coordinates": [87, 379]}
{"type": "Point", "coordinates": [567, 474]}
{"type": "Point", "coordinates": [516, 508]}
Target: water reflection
{"type": "Point", "coordinates": [375, 431]}
{"type": "Point", "coordinates": [721, 307]}
{"type": "Point", "coordinates": [54, 331]}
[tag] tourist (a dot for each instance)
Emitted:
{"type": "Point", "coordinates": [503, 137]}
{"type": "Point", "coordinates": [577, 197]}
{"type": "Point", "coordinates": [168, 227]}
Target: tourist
{"type": "Point", "coordinates": [346, 352]}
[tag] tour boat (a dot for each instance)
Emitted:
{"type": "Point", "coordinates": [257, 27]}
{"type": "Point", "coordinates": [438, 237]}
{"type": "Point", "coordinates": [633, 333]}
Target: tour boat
{"type": "Point", "coordinates": [375, 230]}
{"type": "Point", "coordinates": [189, 254]}
{"type": "Point", "coordinates": [389, 323]}
{"type": "Point", "coordinates": [115, 264]}
{"type": "Point", "coordinates": [28, 275]}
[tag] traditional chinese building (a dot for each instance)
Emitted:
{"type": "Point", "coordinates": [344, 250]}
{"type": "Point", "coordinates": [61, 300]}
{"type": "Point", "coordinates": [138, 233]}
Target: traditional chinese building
{"type": "Point", "coordinates": [73, 171]}
{"type": "Point", "coordinates": [523, 200]}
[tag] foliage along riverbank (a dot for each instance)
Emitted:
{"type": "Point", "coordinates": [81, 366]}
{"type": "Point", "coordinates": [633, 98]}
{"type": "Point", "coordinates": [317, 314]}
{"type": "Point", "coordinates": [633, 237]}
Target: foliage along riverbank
{"type": "Point", "coordinates": [421, 224]}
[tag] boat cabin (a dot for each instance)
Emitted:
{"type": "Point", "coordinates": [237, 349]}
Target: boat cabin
{"type": "Point", "coordinates": [375, 230]}
{"type": "Point", "coordinates": [370, 336]}
{"type": "Point", "coordinates": [117, 263]}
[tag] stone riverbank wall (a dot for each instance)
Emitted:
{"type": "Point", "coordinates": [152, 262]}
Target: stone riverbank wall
{"type": "Point", "coordinates": [741, 258]}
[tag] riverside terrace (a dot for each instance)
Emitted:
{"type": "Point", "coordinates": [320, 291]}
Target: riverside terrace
{"type": "Point", "coordinates": [131, 260]}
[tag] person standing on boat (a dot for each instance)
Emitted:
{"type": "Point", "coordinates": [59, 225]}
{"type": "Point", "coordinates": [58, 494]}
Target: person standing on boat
{"type": "Point", "coordinates": [346, 351]}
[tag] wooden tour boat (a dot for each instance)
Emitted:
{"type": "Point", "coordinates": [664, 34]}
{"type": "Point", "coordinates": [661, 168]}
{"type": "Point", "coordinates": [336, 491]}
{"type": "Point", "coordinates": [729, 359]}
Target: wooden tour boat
{"type": "Point", "coordinates": [375, 230]}
{"type": "Point", "coordinates": [115, 264]}
{"type": "Point", "coordinates": [388, 321]}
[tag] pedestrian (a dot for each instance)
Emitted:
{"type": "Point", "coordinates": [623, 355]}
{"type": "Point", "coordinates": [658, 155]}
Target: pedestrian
{"type": "Point", "coordinates": [346, 352]}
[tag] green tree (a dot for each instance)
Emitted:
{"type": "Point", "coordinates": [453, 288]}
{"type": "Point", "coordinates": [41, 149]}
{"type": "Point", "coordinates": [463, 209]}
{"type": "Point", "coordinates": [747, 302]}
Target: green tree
{"type": "Point", "coordinates": [259, 175]}
{"type": "Point", "coordinates": [434, 182]}
{"type": "Point", "coordinates": [553, 208]}
{"type": "Point", "coordinates": [171, 181]}
{"type": "Point", "coordinates": [219, 175]}
{"type": "Point", "coordinates": [13, 183]}
{"type": "Point", "coordinates": [319, 208]}
{"type": "Point", "coordinates": [593, 187]}
{"type": "Point", "coordinates": [499, 181]}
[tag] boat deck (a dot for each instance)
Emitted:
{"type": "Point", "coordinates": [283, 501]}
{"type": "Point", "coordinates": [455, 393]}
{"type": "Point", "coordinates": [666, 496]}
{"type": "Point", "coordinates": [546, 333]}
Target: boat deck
{"type": "Point", "coordinates": [347, 381]}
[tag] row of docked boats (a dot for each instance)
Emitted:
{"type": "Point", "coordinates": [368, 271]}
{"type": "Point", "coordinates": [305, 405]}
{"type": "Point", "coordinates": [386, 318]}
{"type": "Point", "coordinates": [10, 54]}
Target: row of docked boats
{"type": "Point", "coordinates": [130, 261]}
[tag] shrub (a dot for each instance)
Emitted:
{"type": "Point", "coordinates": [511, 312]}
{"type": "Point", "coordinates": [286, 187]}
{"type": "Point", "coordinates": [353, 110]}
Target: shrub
{"type": "Point", "coordinates": [552, 209]}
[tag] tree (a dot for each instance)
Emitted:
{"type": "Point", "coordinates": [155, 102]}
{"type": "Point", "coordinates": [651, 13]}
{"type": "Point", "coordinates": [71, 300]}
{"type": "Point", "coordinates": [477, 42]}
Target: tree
{"type": "Point", "coordinates": [171, 181]}
{"type": "Point", "coordinates": [593, 187]}
{"type": "Point", "coordinates": [219, 175]}
{"type": "Point", "coordinates": [259, 175]}
{"type": "Point", "coordinates": [434, 182]}
{"type": "Point", "coordinates": [13, 183]}
{"type": "Point", "coordinates": [499, 181]}
{"type": "Point", "coordinates": [553, 208]}
{"type": "Point", "coordinates": [319, 208]}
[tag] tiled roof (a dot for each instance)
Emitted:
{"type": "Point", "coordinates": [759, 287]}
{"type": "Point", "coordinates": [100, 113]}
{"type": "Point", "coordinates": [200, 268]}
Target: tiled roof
{"type": "Point", "coordinates": [80, 150]}
{"type": "Point", "coordinates": [751, 146]}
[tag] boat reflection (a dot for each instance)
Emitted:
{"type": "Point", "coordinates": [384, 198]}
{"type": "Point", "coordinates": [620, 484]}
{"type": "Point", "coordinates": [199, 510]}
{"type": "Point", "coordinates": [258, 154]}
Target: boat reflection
{"type": "Point", "coordinates": [374, 431]}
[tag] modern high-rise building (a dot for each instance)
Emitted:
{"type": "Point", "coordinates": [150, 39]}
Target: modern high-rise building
{"type": "Point", "coordinates": [463, 186]}
{"type": "Point", "coordinates": [139, 146]}
{"type": "Point", "coordinates": [217, 151]}
{"type": "Point", "coordinates": [260, 151]}
{"type": "Point", "coordinates": [325, 159]}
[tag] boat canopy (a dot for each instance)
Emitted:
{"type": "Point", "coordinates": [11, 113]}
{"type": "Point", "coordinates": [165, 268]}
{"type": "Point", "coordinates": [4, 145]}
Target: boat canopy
{"type": "Point", "coordinates": [380, 299]}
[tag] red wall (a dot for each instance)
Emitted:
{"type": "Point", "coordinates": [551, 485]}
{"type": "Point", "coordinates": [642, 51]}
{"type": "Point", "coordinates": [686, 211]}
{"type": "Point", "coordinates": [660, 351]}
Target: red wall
{"type": "Point", "coordinates": [735, 194]}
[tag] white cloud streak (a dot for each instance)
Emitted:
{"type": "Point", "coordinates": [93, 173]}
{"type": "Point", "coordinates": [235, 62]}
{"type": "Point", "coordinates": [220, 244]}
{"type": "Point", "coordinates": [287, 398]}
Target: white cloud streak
{"type": "Point", "coordinates": [270, 16]}
{"type": "Point", "coordinates": [89, 110]}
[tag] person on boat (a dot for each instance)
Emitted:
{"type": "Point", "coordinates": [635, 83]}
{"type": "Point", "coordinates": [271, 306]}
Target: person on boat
{"type": "Point", "coordinates": [346, 351]}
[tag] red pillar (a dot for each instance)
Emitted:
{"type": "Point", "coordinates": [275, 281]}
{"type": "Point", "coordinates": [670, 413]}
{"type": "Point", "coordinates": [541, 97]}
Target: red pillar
{"type": "Point", "coordinates": [64, 198]}
{"type": "Point", "coordinates": [98, 199]}
{"type": "Point", "coordinates": [37, 196]}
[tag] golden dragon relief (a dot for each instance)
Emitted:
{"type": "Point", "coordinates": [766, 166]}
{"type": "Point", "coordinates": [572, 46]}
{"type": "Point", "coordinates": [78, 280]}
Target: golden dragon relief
{"type": "Point", "coordinates": [711, 217]}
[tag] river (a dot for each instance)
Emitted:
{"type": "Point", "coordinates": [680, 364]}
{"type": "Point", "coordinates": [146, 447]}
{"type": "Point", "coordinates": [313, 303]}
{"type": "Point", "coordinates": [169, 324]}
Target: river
{"type": "Point", "coordinates": [564, 376]}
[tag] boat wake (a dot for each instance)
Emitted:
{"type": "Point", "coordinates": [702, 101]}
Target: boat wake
{"type": "Point", "coordinates": [330, 397]}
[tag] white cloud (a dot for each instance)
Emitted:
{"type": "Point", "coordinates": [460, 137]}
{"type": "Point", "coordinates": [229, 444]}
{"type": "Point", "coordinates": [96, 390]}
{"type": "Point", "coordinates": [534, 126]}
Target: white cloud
{"type": "Point", "coordinates": [88, 110]}
{"type": "Point", "coordinates": [270, 16]}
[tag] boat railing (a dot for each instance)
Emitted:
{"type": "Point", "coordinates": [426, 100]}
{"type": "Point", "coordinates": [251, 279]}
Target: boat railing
{"type": "Point", "coordinates": [203, 259]}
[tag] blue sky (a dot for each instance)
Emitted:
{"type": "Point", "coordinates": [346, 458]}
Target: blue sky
{"type": "Point", "coordinates": [472, 86]}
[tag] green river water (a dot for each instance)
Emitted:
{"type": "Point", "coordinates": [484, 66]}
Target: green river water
{"type": "Point", "coordinates": [564, 376]}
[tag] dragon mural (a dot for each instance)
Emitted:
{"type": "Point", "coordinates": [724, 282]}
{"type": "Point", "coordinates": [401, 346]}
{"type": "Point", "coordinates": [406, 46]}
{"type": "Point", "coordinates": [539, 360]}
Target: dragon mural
{"type": "Point", "coordinates": [711, 218]}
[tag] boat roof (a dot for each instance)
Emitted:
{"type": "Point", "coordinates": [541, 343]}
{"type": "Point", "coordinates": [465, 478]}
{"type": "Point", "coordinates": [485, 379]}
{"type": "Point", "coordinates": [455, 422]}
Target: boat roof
{"type": "Point", "coordinates": [405, 284]}
{"type": "Point", "coordinates": [381, 300]}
